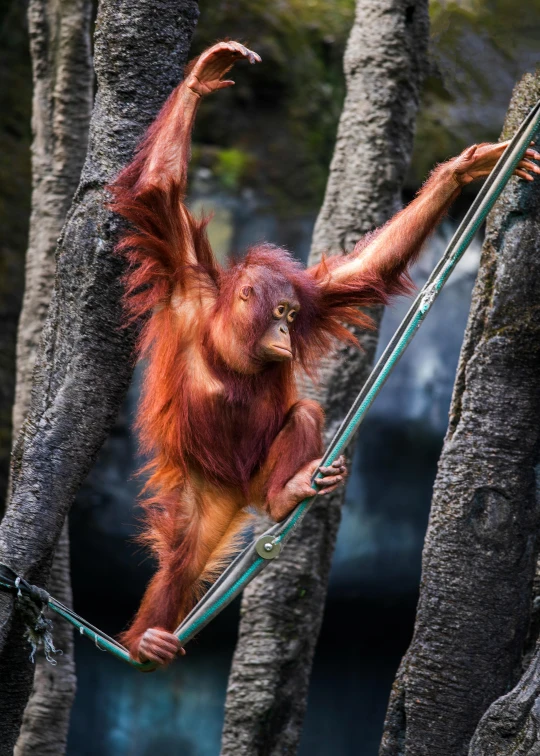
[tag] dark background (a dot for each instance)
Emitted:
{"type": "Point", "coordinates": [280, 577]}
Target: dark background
{"type": "Point", "coordinates": [260, 160]}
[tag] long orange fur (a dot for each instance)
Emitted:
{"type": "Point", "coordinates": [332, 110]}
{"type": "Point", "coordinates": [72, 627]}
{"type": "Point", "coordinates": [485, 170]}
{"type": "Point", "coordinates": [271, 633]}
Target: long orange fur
{"type": "Point", "coordinates": [218, 438]}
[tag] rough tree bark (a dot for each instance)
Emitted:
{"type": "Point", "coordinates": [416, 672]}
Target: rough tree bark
{"type": "Point", "coordinates": [15, 189]}
{"type": "Point", "coordinates": [84, 362]}
{"type": "Point", "coordinates": [62, 102]}
{"type": "Point", "coordinates": [481, 544]}
{"type": "Point", "coordinates": [282, 610]}
{"type": "Point", "coordinates": [61, 106]}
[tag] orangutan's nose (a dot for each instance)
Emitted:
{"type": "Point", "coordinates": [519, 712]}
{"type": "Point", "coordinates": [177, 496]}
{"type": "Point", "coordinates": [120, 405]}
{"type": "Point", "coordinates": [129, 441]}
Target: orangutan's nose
{"type": "Point", "coordinates": [283, 329]}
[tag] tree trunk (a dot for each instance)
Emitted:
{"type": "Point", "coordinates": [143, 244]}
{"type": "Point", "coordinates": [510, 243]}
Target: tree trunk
{"type": "Point", "coordinates": [62, 103]}
{"type": "Point", "coordinates": [84, 362]}
{"type": "Point", "coordinates": [481, 544]}
{"type": "Point", "coordinates": [45, 722]}
{"type": "Point", "coordinates": [15, 109]}
{"type": "Point", "coordinates": [282, 609]}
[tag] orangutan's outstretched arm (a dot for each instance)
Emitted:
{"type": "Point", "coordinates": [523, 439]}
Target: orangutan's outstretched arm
{"type": "Point", "coordinates": [385, 259]}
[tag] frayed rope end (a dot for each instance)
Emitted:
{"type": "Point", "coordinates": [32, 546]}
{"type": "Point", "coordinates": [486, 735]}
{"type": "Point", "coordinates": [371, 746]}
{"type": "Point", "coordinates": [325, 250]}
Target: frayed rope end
{"type": "Point", "coordinates": [38, 627]}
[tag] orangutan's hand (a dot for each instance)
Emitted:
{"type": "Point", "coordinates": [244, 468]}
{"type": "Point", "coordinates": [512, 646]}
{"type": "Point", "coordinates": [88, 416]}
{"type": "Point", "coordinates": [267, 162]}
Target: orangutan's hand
{"type": "Point", "coordinates": [207, 74]}
{"type": "Point", "coordinates": [299, 486]}
{"type": "Point", "coordinates": [159, 646]}
{"type": "Point", "coordinates": [479, 160]}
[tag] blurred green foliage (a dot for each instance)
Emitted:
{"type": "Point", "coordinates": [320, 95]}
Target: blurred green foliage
{"type": "Point", "coordinates": [232, 166]}
{"type": "Point", "coordinates": [283, 112]}
{"type": "Point", "coordinates": [479, 50]}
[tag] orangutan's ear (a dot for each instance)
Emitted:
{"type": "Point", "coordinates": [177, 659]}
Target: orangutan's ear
{"type": "Point", "coordinates": [245, 291]}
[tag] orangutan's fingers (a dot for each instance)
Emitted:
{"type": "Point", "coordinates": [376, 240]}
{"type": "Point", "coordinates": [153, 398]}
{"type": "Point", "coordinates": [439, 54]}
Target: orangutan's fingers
{"type": "Point", "coordinates": [529, 166]}
{"type": "Point", "coordinates": [523, 174]}
{"type": "Point", "coordinates": [330, 480]}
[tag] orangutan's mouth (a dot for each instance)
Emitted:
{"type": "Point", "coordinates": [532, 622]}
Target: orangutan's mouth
{"type": "Point", "coordinates": [281, 350]}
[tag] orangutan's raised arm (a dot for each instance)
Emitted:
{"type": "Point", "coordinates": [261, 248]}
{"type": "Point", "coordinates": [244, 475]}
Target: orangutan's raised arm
{"type": "Point", "coordinates": [163, 156]}
{"type": "Point", "coordinates": [170, 136]}
{"type": "Point", "coordinates": [167, 247]}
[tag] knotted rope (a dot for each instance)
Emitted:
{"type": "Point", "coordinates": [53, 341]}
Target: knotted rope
{"type": "Point", "coordinates": [30, 603]}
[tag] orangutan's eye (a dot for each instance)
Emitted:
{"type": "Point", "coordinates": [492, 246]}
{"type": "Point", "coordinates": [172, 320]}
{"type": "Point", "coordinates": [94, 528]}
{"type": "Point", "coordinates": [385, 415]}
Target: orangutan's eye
{"type": "Point", "coordinates": [245, 291]}
{"type": "Point", "coordinates": [279, 312]}
{"type": "Point", "coordinates": [291, 315]}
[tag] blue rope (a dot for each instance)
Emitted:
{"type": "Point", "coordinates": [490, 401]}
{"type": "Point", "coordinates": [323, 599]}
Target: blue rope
{"type": "Point", "coordinates": [225, 599]}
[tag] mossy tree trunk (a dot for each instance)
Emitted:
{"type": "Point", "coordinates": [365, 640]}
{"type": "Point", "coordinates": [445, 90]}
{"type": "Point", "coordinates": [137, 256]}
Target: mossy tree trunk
{"type": "Point", "coordinates": [481, 544]}
{"type": "Point", "coordinates": [62, 102]}
{"type": "Point", "coordinates": [84, 363]}
{"type": "Point", "coordinates": [282, 610]}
